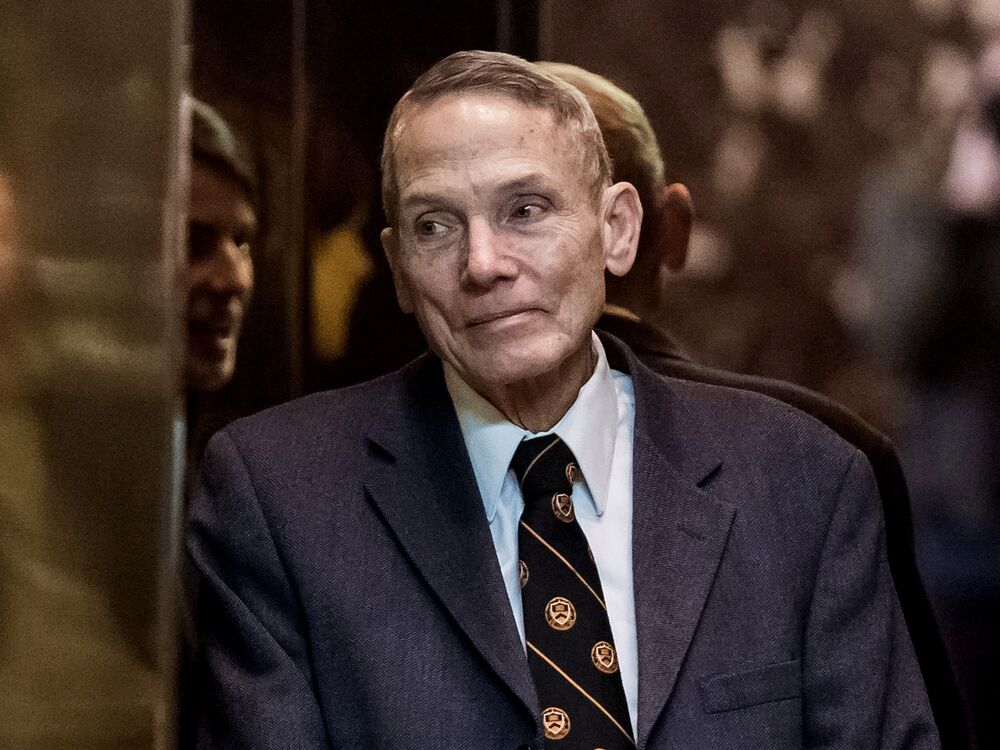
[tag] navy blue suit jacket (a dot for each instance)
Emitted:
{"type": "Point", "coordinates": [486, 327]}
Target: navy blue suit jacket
{"type": "Point", "coordinates": [348, 593]}
{"type": "Point", "coordinates": [656, 349]}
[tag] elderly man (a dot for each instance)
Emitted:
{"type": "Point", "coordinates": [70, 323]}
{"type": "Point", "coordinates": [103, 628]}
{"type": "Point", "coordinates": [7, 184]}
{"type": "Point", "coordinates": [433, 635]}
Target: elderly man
{"type": "Point", "coordinates": [637, 298]}
{"type": "Point", "coordinates": [527, 538]}
{"type": "Point", "coordinates": [221, 224]}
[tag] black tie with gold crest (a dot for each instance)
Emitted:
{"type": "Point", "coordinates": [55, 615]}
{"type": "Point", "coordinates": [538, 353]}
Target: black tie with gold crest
{"type": "Point", "coordinates": [570, 649]}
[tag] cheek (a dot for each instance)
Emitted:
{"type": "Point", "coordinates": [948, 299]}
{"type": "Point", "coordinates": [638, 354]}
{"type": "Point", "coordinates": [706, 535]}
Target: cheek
{"type": "Point", "coordinates": [580, 284]}
{"type": "Point", "coordinates": [576, 268]}
{"type": "Point", "coordinates": [428, 282]}
{"type": "Point", "coordinates": [194, 277]}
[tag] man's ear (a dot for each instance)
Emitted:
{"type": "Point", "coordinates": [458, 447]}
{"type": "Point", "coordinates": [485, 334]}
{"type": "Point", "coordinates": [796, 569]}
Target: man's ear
{"type": "Point", "coordinates": [390, 245]}
{"type": "Point", "coordinates": [622, 221]}
{"type": "Point", "coordinates": [676, 215]}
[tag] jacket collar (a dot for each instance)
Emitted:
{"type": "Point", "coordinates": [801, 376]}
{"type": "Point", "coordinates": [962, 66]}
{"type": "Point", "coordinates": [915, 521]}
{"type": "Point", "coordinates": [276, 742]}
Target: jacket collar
{"type": "Point", "coordinates": [589, 428]}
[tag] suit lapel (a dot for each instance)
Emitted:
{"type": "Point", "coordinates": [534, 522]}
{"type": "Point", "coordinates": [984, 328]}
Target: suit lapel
{"type": "Point", "coordinates": [679, 532]}
{"type": "Point", "coordinates": [679, 535]}
{"type": "Point", "coordinates": [420, 479]}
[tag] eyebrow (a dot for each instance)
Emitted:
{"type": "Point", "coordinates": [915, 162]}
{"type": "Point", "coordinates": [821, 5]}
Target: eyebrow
{"type": "Point", "coordinates": [421, 199]}
{"type": "Point", "coordinates": [531, 183]}
{"type": "Point", "coordinates": [249, 228]}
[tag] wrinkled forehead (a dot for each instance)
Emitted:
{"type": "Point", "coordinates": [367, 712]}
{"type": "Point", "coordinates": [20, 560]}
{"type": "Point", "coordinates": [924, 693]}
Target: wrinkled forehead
{"type": "Point", "coordinates": [525, 120]}
{"type": "Point", "coordinates": [461, 127]}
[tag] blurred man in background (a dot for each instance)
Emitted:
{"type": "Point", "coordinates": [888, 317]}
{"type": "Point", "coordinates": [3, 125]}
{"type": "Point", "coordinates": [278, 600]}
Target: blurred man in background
{"type": "Point", "coordinates": [637, 299]}
{"type": "Point", "coordinates": [222, 222]}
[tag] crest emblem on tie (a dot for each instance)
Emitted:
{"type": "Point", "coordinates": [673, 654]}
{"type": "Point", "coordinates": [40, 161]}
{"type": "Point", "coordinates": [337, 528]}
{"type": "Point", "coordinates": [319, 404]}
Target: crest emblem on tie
{"type": "Point", "coordinates": [555, 722]}
{"type": "Point", "coordinates": [571, 472]}
{"type": "Point", "coordinates": [560, 613]}
{"type": "Point", "coordinates": [522, 573]}
{"type": "Point", "coordinates": [562, 506]}
{"type": "Point", "coordinates": [604, 657]}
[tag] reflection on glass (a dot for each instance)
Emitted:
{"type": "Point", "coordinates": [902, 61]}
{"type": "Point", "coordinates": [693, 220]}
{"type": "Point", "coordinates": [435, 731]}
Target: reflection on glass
{"type": "Point", "coordinates": [88, 371]}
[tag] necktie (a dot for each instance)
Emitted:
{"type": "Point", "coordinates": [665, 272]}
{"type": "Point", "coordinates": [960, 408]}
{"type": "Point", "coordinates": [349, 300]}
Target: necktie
{"type": "Point", "coordinates": [570, 649]}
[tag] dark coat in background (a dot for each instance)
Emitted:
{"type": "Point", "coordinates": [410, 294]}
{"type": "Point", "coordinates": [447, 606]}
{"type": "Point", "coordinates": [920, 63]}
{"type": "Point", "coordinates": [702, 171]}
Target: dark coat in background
{"type": "Point", "coordinates": [349, 596]}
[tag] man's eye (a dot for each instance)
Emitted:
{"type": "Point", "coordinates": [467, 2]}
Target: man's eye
{"type": "Point", "coordinates": [527, 211]}
{"type": "Point", "coordinates": [429, 228]}
{"type": "Point", "coordinates": [201, 238]}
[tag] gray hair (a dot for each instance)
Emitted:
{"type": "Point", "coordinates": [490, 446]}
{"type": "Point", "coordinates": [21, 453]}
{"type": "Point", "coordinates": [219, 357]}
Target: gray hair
{"type": "Point", "coordinates": [500, 74]}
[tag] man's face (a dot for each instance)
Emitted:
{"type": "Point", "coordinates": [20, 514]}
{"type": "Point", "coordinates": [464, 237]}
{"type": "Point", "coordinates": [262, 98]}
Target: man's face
{"type": "Point", "coordinates": [498, 247]}
{"type": "Point", "coordinates": [221, 224]}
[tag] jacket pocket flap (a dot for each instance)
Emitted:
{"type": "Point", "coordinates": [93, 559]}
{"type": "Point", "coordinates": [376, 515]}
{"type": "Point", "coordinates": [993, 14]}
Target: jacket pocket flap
{"type": "Point", "coordinates": [749, 687]}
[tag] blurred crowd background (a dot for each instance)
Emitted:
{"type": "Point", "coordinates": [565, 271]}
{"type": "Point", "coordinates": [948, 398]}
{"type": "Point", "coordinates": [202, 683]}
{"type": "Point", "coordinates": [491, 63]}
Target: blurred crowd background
{"type": "Point", "coordinates": [843, 156]}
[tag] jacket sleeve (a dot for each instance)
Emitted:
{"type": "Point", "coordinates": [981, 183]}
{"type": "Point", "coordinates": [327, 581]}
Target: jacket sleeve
{"type": "Point", "coordinates": [863, 687]}
{"type": "Point", "coordinates": [249, 683]}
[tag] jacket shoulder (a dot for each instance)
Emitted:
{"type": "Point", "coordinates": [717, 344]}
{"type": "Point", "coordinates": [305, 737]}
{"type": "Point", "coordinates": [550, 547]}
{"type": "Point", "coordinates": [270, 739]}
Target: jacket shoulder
{"type": "Point", "coordinates": [655, 349]}
{"type": "Point", "coordinates": [752, 432]}
{"type": "Point", "coordinates": [307, 429]}
{"type": "Point", "coordinates": [837, 417]}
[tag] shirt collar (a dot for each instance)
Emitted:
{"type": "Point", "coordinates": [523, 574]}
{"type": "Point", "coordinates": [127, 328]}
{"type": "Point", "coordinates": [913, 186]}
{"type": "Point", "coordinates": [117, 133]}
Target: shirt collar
{"type": "Point", "coordinates": [589, 428]}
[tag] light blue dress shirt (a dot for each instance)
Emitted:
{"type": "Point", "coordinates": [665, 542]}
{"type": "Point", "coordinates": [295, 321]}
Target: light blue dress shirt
{"type": "Point", "coordinates": [598, 428]}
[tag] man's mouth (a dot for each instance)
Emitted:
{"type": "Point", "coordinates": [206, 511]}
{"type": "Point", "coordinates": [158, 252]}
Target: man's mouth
{"type": "Point", "coordinates": [211, 328]}
{"type": "Point", "coordinates": [494, 316]}
{"type": "Point", "coordinates": [212, 334]}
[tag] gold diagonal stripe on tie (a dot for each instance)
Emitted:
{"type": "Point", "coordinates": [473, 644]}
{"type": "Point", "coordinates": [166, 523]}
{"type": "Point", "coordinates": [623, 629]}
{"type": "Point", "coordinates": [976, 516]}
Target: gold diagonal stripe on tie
{"type": "Point", "coordinates": [583, 692]}
{"type": "Point", "coordinates": [534, 461]}
{"type": "Point", "coordinates": [566, 562]}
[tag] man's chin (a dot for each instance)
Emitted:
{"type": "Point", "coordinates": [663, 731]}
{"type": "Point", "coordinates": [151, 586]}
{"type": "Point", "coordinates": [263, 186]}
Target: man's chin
{"type": "Point", "coordinates": [207, 377]}
{"type": "Point", "coordinates": [501, 371]}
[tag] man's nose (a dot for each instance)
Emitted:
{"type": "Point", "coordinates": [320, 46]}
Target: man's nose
{"type": "Point", "coordinates": [488, 258]}
{"type": "Point", "coordinates": [231, 270]}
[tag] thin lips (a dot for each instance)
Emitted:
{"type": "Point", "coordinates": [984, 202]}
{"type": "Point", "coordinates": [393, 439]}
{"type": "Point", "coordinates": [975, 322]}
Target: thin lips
{"type": "Point", "coordinates": [490, 317]}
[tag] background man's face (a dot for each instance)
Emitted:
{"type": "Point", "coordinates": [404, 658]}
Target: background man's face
{"type": "Point", "coordinates": [498, 249]}
{"type": "Point", "coordinates": [221, 224]}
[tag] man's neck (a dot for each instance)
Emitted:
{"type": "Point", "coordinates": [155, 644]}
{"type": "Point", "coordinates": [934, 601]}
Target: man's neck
{"type": "Point", "coordinates": [537, 404]}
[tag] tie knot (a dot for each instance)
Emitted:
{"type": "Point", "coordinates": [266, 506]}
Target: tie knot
{"type": "Point", "coordinates": [544, 465]}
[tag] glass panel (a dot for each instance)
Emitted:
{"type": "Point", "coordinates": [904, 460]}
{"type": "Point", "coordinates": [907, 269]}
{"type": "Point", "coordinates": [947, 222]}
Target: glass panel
{"type": "Point", "coordinates": [90, 178]}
